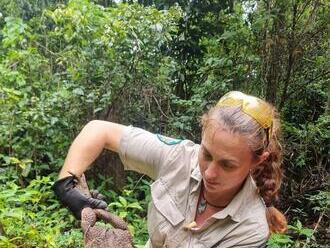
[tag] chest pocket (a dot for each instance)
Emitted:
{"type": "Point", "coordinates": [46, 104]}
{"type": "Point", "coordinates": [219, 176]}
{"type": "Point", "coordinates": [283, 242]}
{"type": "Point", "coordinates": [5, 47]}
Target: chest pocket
{"type": "Point", "coordinates": [163, 214]}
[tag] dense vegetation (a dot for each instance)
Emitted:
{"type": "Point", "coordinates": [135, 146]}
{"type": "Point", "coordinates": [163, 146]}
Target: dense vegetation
{"type": "Point", "coordinates": [157, 65]}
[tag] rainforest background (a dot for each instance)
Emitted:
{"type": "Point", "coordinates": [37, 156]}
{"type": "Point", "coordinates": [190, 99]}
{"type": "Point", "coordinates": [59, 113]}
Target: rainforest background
{"type": "Point", "coordinates": [157, 65]}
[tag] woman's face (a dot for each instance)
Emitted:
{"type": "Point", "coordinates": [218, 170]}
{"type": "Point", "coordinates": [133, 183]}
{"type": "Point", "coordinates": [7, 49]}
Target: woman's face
{"type": "Point", "coordinates": [225, 161]}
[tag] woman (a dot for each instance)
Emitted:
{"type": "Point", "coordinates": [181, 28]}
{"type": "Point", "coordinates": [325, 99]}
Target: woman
{"type": "Point", "coordinates": [216, 194]}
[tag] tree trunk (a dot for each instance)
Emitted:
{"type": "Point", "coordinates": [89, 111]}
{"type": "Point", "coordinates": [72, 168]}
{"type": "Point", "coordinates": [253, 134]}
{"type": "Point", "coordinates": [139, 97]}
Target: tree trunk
{"type": "Point", "coordinates": [108, 163]}
{"type": "Point", "coordinates": [291, 48]}
{"type": "Point", "coordinates": [327, 110]}
{"type": "Point", "coordinates": [272, 52]}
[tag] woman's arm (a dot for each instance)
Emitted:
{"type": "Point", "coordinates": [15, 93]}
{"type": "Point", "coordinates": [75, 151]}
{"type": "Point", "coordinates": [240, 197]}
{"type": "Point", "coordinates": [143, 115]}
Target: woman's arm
{"type": "Point", "coordinates": [90, 142]}
{"type": "Point", "coordinates": [87, 146]}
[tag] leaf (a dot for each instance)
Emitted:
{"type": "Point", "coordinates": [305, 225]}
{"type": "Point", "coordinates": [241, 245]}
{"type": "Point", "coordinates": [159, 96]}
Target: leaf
{"type": "Point", "coordinates": [299, 225]}
{"type": "Point", "coordinates": [116, 204]}
{"type": "Point", "coordinates": [6, 159]}
{"type": "Point", "coordinates": [123, 201]}
{"type": "Point", "coordinates": [25, 172]}
{"type": "Point", "coordinates": [53, 120]}
{"type": "Point", "coordinates": [278, 240]}
{"type": "Point", "coordinates": [227, 35]}
{"type": "Point", "coordinates": [123, 214]}
{"type": "Point", "coordinates": [307, 232]}
{"type": "Point", "coordinates": [97, 110]}
{"type": "Point", "coordinates": [14, 160]}
{"type": "Point", "coordinates": [14, 213]}
{"type": "Point", "coordinates": [134, 205]}
{"type": "Point", "coordinates": [78, 91]}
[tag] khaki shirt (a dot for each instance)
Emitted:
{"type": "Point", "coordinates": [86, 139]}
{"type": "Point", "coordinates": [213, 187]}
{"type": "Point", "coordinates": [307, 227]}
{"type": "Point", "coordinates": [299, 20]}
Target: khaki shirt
{"type": "Point", "coordinates": [173, 164]}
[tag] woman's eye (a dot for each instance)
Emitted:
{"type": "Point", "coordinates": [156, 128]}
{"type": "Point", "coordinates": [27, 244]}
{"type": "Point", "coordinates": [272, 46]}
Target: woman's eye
{"type": "Point", "coordinates": [228, 165]}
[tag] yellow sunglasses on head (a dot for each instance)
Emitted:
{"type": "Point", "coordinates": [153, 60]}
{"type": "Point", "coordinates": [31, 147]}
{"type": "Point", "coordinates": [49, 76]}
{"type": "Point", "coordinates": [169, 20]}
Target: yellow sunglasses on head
{"type": "Point", "coordinates": [253, 106]}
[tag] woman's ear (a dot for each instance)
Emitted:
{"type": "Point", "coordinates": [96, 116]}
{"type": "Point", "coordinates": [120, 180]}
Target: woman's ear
{"type": "Point", "coordinates": [262, 158]}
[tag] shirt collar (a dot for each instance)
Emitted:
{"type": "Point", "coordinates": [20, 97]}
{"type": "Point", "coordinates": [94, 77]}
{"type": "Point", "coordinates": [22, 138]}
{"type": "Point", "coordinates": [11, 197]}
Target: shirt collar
{"type": "Point", "coordinates": [240, 202]}
{"type": "Point", "coordinates": [197, 177]}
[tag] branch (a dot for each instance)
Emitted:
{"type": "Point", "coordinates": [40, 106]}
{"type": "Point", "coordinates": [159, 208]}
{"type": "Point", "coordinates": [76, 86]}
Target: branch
{"type": "Point", "coordinates": [303, 9]}
{"type": "Point", "coordinates": [42, 46]}
{"type": "Point", "coordinates": [159, 107]}
{"type": "Point", "coordinates": [299, 89]}
{"type": "Point", "coordinates": [2, 230]}
{"type": "Point", "coordinates": [314, 230]}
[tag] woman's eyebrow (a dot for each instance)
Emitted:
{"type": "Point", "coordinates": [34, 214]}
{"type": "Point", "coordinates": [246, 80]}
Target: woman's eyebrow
{"type": "Point", "coordinates": [232, 161]}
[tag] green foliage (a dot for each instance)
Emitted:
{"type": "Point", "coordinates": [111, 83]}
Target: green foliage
{"type": "Point", "coordinates": [78, 54]}
{"type": "Point", "coordinates": [130, 206]}
{"type": "Point", "coordinates": [30, 216]}
{"type": "Point", "coordinates": [321, 201]}
{"type": "Point", "coordinates": [279, 241]}
{"type": "Point", "coordinates": [300, 230]}
{"type": "Point", "coordinates": [302, 236]}
{"type": "Point", "coordinates": [308, 143]}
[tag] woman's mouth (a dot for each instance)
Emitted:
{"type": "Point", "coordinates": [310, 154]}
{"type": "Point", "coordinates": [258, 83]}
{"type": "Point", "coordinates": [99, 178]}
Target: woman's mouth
{"type": "Point", "coordinates": [210, 185]}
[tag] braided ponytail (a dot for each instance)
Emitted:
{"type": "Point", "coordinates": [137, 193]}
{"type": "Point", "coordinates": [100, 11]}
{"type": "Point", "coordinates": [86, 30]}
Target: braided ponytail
{"type": "Point", "coordinates": [268, 177]}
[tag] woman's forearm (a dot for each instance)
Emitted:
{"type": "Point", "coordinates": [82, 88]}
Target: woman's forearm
{"type": "Point", "coordinates": [88, 145]}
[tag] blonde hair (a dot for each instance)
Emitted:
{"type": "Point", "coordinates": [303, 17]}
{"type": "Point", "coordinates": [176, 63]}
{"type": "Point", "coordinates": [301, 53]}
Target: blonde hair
{"type": "Point", "coordinates": [268, 175]}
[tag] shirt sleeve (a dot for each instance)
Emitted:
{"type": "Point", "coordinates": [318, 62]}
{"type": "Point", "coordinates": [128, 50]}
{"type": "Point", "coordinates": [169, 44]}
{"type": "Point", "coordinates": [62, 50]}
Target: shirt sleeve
{"type": "Point", "coordinates": [145, 152]}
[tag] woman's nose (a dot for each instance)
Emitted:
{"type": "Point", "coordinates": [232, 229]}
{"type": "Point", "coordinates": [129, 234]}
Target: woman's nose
{"type": "Point", "coordinates": [211, 172]}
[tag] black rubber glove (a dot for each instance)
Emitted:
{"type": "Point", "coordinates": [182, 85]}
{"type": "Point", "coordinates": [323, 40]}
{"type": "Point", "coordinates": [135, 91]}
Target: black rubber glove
{"type": "Point", "coordinates": [66, 191]}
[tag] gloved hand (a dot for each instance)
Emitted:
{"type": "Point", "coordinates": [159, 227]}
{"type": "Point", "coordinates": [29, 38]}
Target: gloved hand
{"type": "Point", "coordinates": [101, 237]}
{"type": "Point", "coordinates": [66, 191]}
